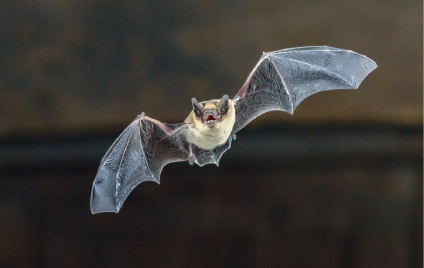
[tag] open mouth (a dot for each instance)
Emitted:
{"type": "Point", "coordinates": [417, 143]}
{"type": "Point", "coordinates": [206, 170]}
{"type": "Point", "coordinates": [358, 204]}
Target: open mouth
{"type": "Point", "coordinates": [210, 119]}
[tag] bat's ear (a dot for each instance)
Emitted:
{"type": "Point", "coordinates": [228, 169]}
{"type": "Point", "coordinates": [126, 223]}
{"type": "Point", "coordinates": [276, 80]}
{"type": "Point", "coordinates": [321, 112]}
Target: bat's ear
{"type": "Point", "coordinates": [223, 103]}
{"type": "Point", "coordinates": [195, 104]}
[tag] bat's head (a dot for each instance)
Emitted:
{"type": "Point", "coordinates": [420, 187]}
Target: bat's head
{"type": "Point", "coordinates": [211, 112]}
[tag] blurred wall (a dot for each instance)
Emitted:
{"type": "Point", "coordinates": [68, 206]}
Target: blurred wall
{"type": "Point", "coordinates": [70, 65]}
{"type": "Point", "coordinates": [338, 184]}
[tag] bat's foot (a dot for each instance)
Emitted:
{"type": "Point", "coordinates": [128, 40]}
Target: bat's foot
{"type": "Point", "coordinates": [191, 159]}
{"type": "Point", "coordinates": [233, 136]}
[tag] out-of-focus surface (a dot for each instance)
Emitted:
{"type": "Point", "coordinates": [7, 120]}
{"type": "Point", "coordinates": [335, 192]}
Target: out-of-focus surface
{"type": "Point", "coordinates": [76, 64]}
{"type": "Point", "coordinates": [338, 184]}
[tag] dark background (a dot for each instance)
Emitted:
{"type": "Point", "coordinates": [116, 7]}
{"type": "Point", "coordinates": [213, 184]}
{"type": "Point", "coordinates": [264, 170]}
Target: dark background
{"type": "Point", "coordinates": [338, 184]}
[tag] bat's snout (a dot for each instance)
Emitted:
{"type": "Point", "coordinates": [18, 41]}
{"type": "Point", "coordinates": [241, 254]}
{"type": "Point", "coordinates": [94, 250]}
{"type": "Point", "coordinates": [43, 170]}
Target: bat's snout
{"type": "Point", "coordinates": [210, 117]}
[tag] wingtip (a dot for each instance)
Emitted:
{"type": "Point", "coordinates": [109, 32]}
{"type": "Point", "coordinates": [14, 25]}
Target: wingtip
{"type": "Point", "coordinates": [100, 204]}
{"type": "Point", "coordinates": [93, 212]}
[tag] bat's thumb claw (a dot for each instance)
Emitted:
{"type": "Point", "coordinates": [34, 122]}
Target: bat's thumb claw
{"type": "Point", "coordinates": [140, 116]}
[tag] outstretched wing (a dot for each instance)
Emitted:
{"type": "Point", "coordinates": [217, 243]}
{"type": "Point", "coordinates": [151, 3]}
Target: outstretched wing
{"type": "Point", "coordinates": [138, 155]}
{"type": "Point", "coordinates": [282, 79]}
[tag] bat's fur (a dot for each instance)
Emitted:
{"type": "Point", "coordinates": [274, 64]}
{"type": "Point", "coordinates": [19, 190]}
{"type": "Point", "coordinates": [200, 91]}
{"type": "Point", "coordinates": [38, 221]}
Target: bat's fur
{"type": "Point", "coordinates": [208, 136]}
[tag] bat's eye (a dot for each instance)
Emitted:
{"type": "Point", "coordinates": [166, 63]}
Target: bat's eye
{"type": "Point", "coordinates": [198, 113]}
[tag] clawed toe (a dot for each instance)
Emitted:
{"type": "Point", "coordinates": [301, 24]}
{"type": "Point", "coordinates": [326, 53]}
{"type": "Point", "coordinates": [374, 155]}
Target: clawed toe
{"type": "Point", "coordinates": [191, 159]}
{"type": "Point", "coordinates": [232, 137]}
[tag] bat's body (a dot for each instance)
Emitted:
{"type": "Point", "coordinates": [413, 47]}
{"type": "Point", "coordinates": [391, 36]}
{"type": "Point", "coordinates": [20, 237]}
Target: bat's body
{"type": "Point", "coordinates": [279, 81]}
{"type": "Point", "coordinates": [208, 134]}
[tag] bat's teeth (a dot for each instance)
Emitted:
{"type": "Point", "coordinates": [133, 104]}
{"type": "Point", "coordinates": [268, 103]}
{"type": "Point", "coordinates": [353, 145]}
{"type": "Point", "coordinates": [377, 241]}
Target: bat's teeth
{"type": "Point", "coordinates": [210, 118]}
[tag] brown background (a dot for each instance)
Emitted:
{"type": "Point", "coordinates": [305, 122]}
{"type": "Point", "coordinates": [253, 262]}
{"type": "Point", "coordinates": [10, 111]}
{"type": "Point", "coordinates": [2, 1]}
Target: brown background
{"type": "Point", "coordinates": [70, 65]}
{"type": "Point", "coordinates": [338, 184]}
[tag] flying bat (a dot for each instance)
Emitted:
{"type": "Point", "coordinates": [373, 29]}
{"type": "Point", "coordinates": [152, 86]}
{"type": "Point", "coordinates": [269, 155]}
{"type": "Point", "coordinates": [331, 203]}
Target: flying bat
{"type": "Point", "coordinates": [279, 81]}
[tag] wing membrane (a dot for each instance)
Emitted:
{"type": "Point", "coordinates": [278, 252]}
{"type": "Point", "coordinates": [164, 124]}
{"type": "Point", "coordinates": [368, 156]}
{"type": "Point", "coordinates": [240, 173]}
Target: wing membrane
{"type": "Point", "coordinates": [139, 154]}
{"type": "Point", "coordinates": [282, 79]}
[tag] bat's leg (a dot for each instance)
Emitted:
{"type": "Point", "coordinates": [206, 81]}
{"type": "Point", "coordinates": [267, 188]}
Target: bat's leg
{"type": "Point", "coordinates": [164, 127]}
{"type": "Point", "coordinates": [232, 137]}
{"type": "Point", "coordinates": [191, 157]}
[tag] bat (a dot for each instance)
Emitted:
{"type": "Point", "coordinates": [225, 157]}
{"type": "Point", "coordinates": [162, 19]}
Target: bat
{"type": "Point", "coordinates": [279, 81]}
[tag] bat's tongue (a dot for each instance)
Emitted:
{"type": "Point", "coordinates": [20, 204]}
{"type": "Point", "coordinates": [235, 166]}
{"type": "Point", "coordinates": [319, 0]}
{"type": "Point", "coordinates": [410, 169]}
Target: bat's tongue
{"type": "Point", "coordinates": [210, 117]}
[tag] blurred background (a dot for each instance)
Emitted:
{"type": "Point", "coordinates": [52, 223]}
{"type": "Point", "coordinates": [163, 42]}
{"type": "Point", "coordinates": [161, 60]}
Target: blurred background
{"type": "Point", "coordinates": [338, 184]}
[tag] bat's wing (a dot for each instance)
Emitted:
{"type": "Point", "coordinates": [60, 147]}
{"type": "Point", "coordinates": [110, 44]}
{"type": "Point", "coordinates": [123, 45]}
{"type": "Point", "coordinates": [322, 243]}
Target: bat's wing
{"type": "Point", "coordinates": [282, 79]}
{"type": "Point", "coordinates": [138, 155]}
